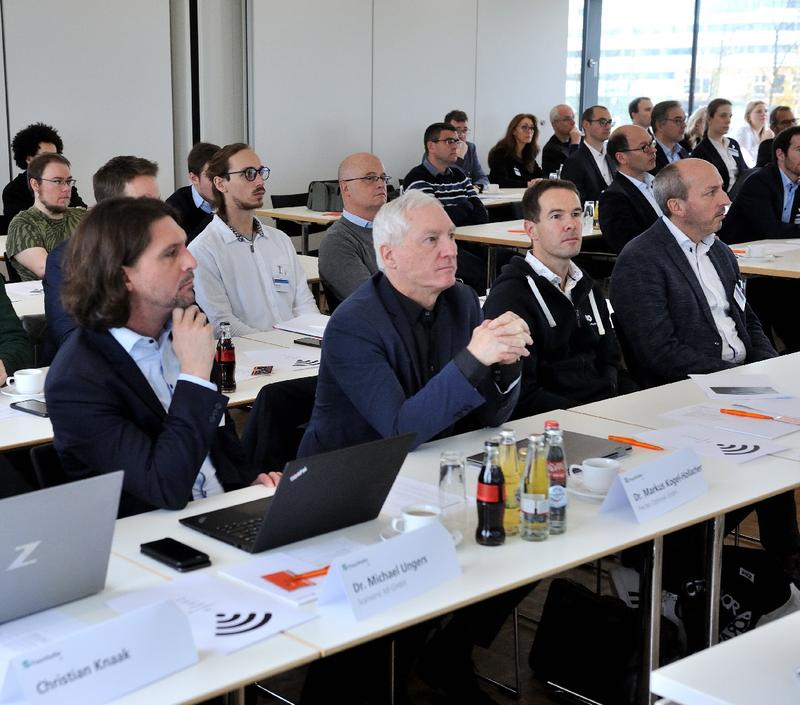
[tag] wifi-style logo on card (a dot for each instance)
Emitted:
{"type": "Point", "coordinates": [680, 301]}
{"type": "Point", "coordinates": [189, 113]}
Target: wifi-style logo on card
{"type": "Point", "coordinates": [743, 449]}
{"type": "Point", "coordinates": [233, 624]}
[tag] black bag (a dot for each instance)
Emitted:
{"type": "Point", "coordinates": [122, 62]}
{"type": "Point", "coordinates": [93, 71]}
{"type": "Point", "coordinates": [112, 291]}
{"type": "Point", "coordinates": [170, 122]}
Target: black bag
{"type": "Point", "coordinates": [324, 196]}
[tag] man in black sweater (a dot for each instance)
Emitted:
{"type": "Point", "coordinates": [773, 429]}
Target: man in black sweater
{"type": "Point", "coordinates": [194, 203]}
{"type": "Point", "coordinates": [575, 358]}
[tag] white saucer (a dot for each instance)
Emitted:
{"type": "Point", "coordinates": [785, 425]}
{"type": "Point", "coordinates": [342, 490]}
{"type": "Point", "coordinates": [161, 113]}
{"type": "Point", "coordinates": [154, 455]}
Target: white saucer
{"type": "Point", "coordinates": [10, 390]}
{"type": "Point", "coordinates": [390, 532]}
{"type": "Point", "coordinates": [575, 486]}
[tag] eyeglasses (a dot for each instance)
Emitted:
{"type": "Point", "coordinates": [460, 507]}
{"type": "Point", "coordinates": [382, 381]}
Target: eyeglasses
{"type": "Point", "coordinates": [564, 119]}
{"type": "Point", "coordinates": [449, 140]}
{"type": "Point", "coordinates": [605, 122]}
{"type": "Point", "coordinates": [251, 172]}
{"type": "Point", "coordinates": [372, 178]}
{"type": "Point", "coordinates": [676, 120]}
{"type": "Point", "coordinates": [641, 147]}
{"type": "Point", "coordinates": [527, 128]}
{"type": "Point", "coordinates": [61, 182]}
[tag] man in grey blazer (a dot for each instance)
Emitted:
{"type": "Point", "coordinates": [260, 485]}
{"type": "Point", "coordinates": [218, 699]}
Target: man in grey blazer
{"type": "Point", "coordinates": [678, 299]}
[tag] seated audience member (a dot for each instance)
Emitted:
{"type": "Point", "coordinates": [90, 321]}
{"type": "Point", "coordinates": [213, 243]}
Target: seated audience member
{"type": "Point", "coordinates": [590, 168]}
{"type": "Point", "coordinates": [346, 254]}
{"type": "Point", "coordinates": [754, 131]}
{"type": "Point", "coordinates": [669, 124]}
{"type": "Point", "coordinates": [418, 337]}
{"type": "Point", "coordinates": [780, 118]}
{"type": "Point", "coordinates": [467, 160]}
{"type": "Point", "coordinates": [439, 176]}
{"type": "Point", "coordinates": [119, 176]}
{"type": "Point", "coordinates": [695, 129]}
{"type": "Point", "coordinates": [678, 300]}
{"type": "Point", "coordinates": [15, 347]}
{"type": "Point", "coordinates": [195, 203]}
{"type": "Point", "coordinates": [640, 110]}
{"type": "Point", "coordinates": [28, 143]}
{"type": "Point", "coordinates": [48, 222]}
{"type": "Point", "coordinates": [130, 388]}
{"type": "Point", "coordinates": [628, 207]}
{"type": "Point", "coordinates": [512, 161]}
{"type": "Point", "coordinates": [247, 274]}
{"type": "Point", "coordinates": [565, 140]}
{"type": "Point", "coordinates": [575, 358]}
{"type": "Point", "coordinates": [721, 151]}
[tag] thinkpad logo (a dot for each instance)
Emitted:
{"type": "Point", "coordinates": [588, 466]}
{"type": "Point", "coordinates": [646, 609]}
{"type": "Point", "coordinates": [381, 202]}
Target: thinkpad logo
{"type": "Point", "coordinates": [24, 557]}
{"type": "Point", "coordinates": [302, 471]}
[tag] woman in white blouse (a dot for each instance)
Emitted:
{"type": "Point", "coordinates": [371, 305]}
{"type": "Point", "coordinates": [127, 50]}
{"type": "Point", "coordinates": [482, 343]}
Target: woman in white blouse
{"type": "Point", "coordinates": [754, 132]}
{"type": "Point", "coordinates": [723, 152]}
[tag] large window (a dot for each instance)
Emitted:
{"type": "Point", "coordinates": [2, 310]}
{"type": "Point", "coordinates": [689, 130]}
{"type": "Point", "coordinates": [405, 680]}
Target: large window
{"type": "Point", "coordinates": [745, 50]}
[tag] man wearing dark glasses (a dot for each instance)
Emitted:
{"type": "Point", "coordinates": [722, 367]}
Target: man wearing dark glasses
{"type": "Point", "coordinates": [247, 274]}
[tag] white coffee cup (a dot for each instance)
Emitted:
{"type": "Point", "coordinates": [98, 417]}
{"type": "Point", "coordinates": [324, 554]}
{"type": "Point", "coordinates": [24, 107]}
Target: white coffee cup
{"type": "Point", "coordinates": [597, 473]}
{"type": "Point", "coordinates": [30, 381]}
{"type": "Point", "coordinates": [415, 516]}
{"type": "Point", "coordinates": [492, 188]}
{"type": "Point", "coordinates": [757, 251]}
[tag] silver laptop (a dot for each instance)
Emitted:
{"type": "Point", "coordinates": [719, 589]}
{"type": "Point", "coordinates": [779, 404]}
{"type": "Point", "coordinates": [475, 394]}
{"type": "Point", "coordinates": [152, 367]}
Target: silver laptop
{"type": "Point", "coordinates": [55, 544]}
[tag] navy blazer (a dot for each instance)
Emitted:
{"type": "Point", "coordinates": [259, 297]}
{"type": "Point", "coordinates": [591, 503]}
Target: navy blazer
{"type": "Point", "coordinates": [764, 155]}
{"type": "Point", "coordinates": [707, 151]}
{"type": "Point", "coordinates": [370, 385]}
{"type": "Point", "coordinates": [756, 211]}
{"type": "Point", "coordinates": [661, 158]}
{"type": "Point", "coordinates": [624, 213]}
{"type": "Point", "coordinates": [59, 323]}
{"type": "Point", "coordinates": [663, 317]}
{"type": "Point", "coordinates": [106, 417]}
{"type": "Point", "coordinates": [192, 219]}
{"type": "Point", "coordinates": [582, 170]}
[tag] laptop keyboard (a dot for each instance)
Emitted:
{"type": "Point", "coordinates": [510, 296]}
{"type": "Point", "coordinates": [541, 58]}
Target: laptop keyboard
{"type": "Point", "coordinates": [245, 531]}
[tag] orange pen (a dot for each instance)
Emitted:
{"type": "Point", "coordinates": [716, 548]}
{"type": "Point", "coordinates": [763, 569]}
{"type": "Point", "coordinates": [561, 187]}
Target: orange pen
{"type": "Point", "coordinates": [634, 442]}
{"type": "Point", "coordinates": [516, 230]}
{"type": "Point", "coordinates": [746, 414]}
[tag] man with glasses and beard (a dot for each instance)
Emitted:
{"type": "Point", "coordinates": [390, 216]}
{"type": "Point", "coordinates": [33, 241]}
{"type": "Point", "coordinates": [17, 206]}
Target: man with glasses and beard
{"type": "Point", "coordinates": [247, 274]}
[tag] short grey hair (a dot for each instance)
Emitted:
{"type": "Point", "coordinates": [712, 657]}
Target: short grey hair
{"type": "Point", "coordinates": [669, 184]}
{"type": "Point", "coordinates": [391, 223]}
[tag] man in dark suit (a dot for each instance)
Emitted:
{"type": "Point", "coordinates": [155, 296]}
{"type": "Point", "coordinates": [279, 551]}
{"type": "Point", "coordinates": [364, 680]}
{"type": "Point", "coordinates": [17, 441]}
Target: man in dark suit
{"type": "Point", "coordinates": [669, 124]}
{"type": "Point", "coordinates": [131, 387]}
{"type": "Point", "coordinates": [628, 207]}
{"type": "Point", "coordinates": [195, 203]}
{"type": "Point", "coordinates": [565, 140]}
{"type": "Point", "coordinates": [677, 296]}
{"type": "Point", "coordinates": [590, 168]}
{"type": "Point", "coordinates": [780, 118]}
{"type": "Point", "coordinates": [417, 336]}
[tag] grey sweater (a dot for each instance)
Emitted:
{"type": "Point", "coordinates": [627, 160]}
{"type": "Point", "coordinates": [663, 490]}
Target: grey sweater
{"type": "Point", "coordinates": [346, 258]}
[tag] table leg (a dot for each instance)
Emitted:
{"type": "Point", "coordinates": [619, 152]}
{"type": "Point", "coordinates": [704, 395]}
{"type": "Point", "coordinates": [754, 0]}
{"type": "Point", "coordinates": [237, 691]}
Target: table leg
{"type": "Point", "coordinates": [491, 265]}
{"type": "Point", "coordinates": [714, 577]}
{"type": "Point", "coordinates": [650, 603]}
{"type": "Point", "coordinates": [235, 697]}
{"type": "Point", "coordinates": [304, 238]}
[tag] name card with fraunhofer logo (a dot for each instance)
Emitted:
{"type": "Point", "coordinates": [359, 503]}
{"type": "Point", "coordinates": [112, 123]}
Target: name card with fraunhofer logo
{"type": "Point", "coordinates": [383, 575]}
{"type": "Point", "coordinates": [659, 486]}
{"type": "Point", "coordinates": [107, 660]}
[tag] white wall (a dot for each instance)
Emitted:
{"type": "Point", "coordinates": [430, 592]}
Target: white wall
{"type": "Point", "coordinates": [329, 79]}
{"type": "Point", "coordinates": [97, 71]}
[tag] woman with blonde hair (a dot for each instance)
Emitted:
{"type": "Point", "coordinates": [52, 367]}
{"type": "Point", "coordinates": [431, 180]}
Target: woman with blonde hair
{"type": "Point", "coordinates": [754, 132]}
{"type": "Point", "coordinates": [695, 128]}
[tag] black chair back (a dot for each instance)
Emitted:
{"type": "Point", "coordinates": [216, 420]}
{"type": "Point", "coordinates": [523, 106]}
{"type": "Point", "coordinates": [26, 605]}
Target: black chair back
{"type": "Point", "coordinates": [13, 274]}
{"type": "Point", "coordinates": [47, 466]}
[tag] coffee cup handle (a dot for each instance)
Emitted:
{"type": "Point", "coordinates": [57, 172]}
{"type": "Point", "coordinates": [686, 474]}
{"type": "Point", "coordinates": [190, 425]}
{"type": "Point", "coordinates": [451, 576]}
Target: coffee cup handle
{"type": "Point", "coordinates": [571, 472]}
{"type": "Point", "coordinates": [399, 524]}
{"type": "Point", "coordinates": [10, 380]}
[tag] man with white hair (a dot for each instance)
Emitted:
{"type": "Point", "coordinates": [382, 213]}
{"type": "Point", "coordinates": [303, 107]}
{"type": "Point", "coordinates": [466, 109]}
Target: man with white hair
{"type": "Point", "coordinates": [565, 140]}
{"type": "Point", "coordinates": [408, 350]}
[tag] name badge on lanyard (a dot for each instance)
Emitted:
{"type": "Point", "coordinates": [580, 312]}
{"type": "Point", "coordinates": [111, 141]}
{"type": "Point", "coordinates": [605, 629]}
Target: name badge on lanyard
{"type": "Point", "coordinates": [739, 295]}
{"type": "Point", "coordinates": [733, 152]}
{"type": "Point", "coordinates": [280, 279]}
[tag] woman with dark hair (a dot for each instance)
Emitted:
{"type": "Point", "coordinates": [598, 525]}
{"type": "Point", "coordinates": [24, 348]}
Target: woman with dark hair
{"type": "Point", "coordinates": [723, 152]}
{"type": "Point", "coordinates": [512, 161]}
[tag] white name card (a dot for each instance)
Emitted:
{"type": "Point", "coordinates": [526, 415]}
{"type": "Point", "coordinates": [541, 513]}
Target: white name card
{"type": "Point", "coordinates": [108, 660]}
{"type": "Point", "coordinates": [381, 576]}
{"type": "Point", "coordinates": [659, 486]}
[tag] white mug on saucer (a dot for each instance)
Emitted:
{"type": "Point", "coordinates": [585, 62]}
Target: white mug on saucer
{"type": "Point", "coordinates": [29, 381]}
{"type": "Point", "coordinates": [415, 516]}
{"type": "Point", "coordinates": [597, 473]}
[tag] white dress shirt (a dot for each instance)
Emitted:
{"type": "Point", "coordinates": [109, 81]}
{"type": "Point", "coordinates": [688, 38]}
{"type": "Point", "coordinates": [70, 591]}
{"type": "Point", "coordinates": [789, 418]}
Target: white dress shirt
{"type": "Point", "coordinates": [646, 187]}
{"type": "Point", "coordinates": [733, 349]}
{"type": "Point", "coordinates": [724, 149]}
{"type": "Point", "coordinates": [574, 274]}
{"type": "Point", "coordinates": [251, 284]}
{"type": "Point", "coordinates": [602, 164]}
{"type": "Point", "coordinates": [159, 365]}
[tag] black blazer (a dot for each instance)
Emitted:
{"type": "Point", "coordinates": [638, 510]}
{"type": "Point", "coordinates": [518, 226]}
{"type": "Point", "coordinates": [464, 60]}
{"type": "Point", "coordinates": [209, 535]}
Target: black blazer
{"type": "Point", "coordinates": [624, 212]}
{"type": "Point", "coordinates": [192, 219]}
{"type": "Point", "coordinates": [106, 417]}
{"type": "Point", "coordinates": [581, 169]}
{"type": "Point", "coordinates": [555, 153]}
{"type": "Point", "coordinates": [663, 316]}
{"type": "Point", "coordinates": [764, 156]}
{"type": "Point", "coordinates": [706, 150]}
{"type": "Point", "coordinates": [661, 158]}
{"type": "Point", "coordinates": [756, 211]}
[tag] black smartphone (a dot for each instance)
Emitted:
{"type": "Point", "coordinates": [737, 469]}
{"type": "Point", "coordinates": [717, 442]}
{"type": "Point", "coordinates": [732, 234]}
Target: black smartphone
{"type": "Point", "coordinates": [31, 406]}
{"type": "Point", "coordinates": [175, 554]}
{"type": "Point", "coordinates": [311, 342]}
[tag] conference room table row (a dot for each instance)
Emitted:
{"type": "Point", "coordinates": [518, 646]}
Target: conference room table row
{"type": "Point", "coordinates": [485, 571]}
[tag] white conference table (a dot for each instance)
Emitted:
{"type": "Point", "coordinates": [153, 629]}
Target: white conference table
{"type": "Point", "coordinates": [760, 666]}
{"type": "Point", "coordinates": [486, 571]}
{"type": "Point", "coordinates": [784, 265]}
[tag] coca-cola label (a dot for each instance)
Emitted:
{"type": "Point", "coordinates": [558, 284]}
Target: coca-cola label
{"type": "Point", "coordinates": [558, 497]}
{"type": "Point", "coordinates": [225, 355]}
{"type": "Point", "coordinates": [491, 493]}
{"type": "Point", "coordinates": [557, 471]}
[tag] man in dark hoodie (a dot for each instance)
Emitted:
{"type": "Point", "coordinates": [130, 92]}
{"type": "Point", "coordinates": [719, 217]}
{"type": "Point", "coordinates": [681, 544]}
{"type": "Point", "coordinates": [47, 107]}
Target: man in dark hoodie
{"type": "Point", "coordinates": [575, 357]}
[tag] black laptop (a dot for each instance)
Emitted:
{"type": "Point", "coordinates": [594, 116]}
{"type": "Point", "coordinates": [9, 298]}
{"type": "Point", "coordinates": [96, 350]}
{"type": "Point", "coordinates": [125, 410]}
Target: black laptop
{"type": "Point", "coordinates": [318, 494]}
